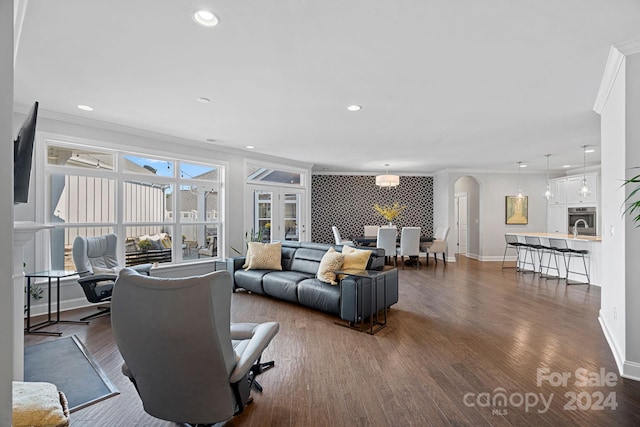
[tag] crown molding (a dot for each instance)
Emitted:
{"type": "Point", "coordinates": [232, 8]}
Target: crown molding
{"type": "Point", "coordinates": [617, 55]}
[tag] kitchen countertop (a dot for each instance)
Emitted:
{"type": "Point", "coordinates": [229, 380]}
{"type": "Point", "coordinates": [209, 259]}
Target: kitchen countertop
{"type": "Point", "coordinates": [561, 236]}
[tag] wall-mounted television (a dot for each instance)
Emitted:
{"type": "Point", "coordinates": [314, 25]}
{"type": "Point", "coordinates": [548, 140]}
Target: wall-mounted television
{"type": "Point", "coordinates": [22, 156]}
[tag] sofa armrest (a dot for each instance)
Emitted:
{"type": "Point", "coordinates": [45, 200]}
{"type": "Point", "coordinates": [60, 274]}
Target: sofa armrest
{"type": "Point", "coordinates": [356, 292]}
{"type": "Point", "coordinates": [234, 264]}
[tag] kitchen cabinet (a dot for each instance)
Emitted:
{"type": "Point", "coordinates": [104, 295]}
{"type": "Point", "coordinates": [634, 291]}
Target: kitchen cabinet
{"type": "Point", "coordinates": [574, 183]}
{"type": "Point", "coordinates": [557, 218]}
{"type": "Point", "coordinates": [558, 187]}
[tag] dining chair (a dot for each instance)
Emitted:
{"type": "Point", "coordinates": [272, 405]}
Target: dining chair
{"type": "Point", "coordinates": [371, 230]}
{"type": "Point", "coordinates": [339, 241]}
{"type": "Point", "coordinates": [439, 244]}
{"type": "Point", "coordinates": [387, 240]}
{"type": "Point", "coordinates": [409, 245]}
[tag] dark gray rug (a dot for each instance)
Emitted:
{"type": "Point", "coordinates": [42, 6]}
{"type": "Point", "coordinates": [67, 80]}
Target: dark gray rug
{"type": "Point", "coordinates": [66, 363]}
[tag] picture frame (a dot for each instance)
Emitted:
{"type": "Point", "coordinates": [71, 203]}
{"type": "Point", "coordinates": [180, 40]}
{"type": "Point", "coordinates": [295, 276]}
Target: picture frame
{"type": "Point", "coordinates": [516, 210]}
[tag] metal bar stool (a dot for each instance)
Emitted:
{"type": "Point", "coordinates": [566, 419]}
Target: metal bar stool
{"type": "Point", "coordinates": [557, 247]}
{"type": "Point", "coordinates": [561, 246]}
{"type": "Point", "coordinates": [532, 245]}
{"type": "Point", "coordinates": [513, 243]}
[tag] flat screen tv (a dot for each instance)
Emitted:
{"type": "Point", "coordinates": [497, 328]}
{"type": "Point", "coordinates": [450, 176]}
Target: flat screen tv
{"type": "Point", "coordinates": [22, 156]}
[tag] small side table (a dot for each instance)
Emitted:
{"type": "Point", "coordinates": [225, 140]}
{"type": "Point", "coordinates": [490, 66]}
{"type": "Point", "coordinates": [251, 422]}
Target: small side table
{"type": "Point", "coordinates": [375, 324]}
{"type": "Point", "coordinates": [50, 275]}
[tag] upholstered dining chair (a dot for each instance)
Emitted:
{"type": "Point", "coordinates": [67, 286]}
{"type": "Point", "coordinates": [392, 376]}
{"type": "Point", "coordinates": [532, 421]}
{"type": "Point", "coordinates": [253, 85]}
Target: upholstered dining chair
{"type": "Point", "coordinates": [409, 245]}
{"type": "Point", "coordinates": [439, 244]}
{"type": "Point", "coordinates": [338, 239]}
{"type": "Point", "coordinates": [387, 241]}
{"type": "Point", "coordinates": [97, 265]}
{"type": "Point", "coordinates": [371, 230]}
{"type": "Point", "coordinates": [187, 361]}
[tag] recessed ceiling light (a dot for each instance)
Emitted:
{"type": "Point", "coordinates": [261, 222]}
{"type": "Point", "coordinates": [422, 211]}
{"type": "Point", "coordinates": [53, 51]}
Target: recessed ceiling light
{"type": "Point", "coordinates": [522, 165]}
{"type": "Point", "coordinates": [354, 107]}
{"type": "Point", "coordinates": [211, 140]}
{"type": "Point", "coordinates": [203, 100]}
{"type": "Point", "coordinates": [566, 166]}
{"type": "Point", "coordinates": [85, 107]}
{"type": "Point", "coordinates": [204, 17]}
{"type": "Point", "coordinates": [250, 147]}
{"type": "Point", "coordinates": [590, 150]}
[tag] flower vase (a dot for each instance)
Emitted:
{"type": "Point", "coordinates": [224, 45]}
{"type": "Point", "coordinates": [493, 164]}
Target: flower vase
{"type": "Point", "coordinates": [390, 224]}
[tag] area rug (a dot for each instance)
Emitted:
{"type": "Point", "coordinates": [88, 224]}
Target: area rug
{"type": "Point", "coordinates": [66, 363]}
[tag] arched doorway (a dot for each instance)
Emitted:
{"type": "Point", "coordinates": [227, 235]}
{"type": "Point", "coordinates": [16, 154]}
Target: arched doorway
{"type": "Point", "coordinates": [465, 230]}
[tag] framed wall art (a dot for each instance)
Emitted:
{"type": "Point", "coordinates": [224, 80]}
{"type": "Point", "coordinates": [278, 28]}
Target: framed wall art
{"type": "Point", "coordinates": [516, 210]}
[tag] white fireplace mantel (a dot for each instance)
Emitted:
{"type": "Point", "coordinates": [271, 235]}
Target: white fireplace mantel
{"type": "Point", "coordinates": [23, 232]}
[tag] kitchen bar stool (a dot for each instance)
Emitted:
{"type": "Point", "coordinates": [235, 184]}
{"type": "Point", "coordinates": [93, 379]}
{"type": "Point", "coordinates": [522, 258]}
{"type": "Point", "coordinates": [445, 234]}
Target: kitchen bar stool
{"type": "Point", "coordinates": [532, 245]}
{"type": "Point", "coordinates": [561, 246]}
{"type": "Point", "coordinates": [512, 242]}
{"type": "Point", "coordinates": [556, 247]}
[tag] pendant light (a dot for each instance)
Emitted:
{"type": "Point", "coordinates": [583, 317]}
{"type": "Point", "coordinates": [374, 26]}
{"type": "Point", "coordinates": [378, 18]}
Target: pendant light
{"type": "Point", "coordinates": [387, 180]}
{"type": "Point", "coordinates": [520, 194]}
{"type": "Point", "coordinates": [584, 191]}
{"type": "Point", "coordinates": [547, 193]}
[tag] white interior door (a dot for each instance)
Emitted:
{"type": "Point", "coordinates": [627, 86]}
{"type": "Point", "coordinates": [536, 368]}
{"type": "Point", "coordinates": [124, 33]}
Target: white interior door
{"type": "Point", "coordinates": [462, 220]}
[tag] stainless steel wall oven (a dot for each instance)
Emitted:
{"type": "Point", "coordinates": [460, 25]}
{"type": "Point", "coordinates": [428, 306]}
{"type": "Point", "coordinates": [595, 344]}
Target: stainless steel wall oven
{"type": "Point", "coordinates": [588, 215]}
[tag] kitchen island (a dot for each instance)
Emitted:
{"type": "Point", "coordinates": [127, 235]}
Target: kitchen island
{"type": "Point", "coordinates": [589, 243]}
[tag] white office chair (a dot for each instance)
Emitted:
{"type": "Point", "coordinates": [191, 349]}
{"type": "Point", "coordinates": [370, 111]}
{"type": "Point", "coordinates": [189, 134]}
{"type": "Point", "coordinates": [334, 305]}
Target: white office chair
{"type": "Point", "coordinates": [439, 244]}
{"type": "Point", "coordinates": [339, 241]}
{"type": "Point", "coordinates": [409, 245]}
{"type": "Point", "coordinates": [387, 240]}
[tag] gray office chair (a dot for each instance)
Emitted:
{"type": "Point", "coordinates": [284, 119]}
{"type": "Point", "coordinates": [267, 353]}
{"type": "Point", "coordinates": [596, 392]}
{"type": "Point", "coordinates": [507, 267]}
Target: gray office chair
{"type": "Point", "coordinates": [187, 361]}
{"type": "Point", "coordinates": [97, 265]}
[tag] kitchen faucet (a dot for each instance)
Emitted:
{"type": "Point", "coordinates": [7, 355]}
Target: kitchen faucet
{"type": "Point", "coordinates": [575, 227]}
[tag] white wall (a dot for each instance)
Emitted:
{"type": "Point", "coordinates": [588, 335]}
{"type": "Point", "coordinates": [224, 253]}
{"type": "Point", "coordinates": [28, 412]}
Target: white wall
{"type": "Point", "coordinates": [632, 236]}
{"type": "Point", "coordinates": [7, 320]}
{"type": "Point", "coordinates": [612, 304]}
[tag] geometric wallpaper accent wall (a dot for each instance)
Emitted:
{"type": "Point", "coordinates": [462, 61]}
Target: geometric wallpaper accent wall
{"type": "Point", "coordinates": [346, 201]}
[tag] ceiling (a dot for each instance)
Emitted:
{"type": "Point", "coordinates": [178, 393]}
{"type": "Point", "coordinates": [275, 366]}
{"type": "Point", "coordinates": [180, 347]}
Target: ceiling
{"type": "Point", "coordinates": [442, 84]}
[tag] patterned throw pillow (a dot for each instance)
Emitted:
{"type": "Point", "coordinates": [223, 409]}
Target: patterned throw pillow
{"type": "Point", "coordinates": [331, 261]}
{"type": "Point", "coordinates": [355, 259]}
{"type": "Point", "coordinates": [264, 256]}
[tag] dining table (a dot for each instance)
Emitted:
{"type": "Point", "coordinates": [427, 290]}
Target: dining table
{"type": "Point", "coordinates": [371, 240]}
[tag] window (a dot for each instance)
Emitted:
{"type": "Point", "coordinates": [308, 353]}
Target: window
{"type": "Point", "coordinates": [91, 192]}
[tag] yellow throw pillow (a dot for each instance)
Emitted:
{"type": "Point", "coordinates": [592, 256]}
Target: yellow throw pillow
{"type": "Point", "coordinates": [331, 261]}
{"type": "Point", "coordinates": [355, 259]}
{"type": "Point", "coordinates": [264, 256]}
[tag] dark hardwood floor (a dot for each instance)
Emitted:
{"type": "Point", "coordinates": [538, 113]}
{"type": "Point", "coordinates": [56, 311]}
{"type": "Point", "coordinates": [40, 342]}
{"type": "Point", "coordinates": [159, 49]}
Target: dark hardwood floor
{"type": "Point", "coordinates": [460, 337]}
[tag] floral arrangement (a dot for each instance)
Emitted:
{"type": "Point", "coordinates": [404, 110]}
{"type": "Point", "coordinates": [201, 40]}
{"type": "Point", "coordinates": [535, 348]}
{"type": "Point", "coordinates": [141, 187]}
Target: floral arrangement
{"type": "Point", "coordinates": [389, 212]}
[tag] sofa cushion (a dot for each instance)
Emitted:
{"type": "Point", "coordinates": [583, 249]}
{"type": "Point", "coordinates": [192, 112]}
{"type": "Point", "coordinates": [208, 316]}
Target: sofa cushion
{"type": "Point", "coordinates": [319, 295]}
{"type": "Point", "coordinates": [331, 261]}
{"type": "Point", "coordinates": [250, 280]}
{"type": "Point", "coordinates": [283, 284]}
{"type": "Point", "coordinates": [356, 259]}
{"type": "Point", "coordinates": [264, 256]}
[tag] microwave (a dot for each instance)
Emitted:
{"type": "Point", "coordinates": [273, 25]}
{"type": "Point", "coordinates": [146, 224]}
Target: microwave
{"type": "Point", "coordinates": [586, 227]}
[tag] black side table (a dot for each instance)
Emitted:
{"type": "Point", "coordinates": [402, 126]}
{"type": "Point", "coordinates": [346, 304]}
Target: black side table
{"type": "Point", "coordinates": [375, 324]}
{"type": "Point", "coordinates": [48, 274]}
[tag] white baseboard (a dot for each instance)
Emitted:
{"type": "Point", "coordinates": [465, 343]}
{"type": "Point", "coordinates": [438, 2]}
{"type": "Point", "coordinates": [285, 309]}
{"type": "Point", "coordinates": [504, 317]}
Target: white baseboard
{"type": "Point", "coordinates": [617, 354]}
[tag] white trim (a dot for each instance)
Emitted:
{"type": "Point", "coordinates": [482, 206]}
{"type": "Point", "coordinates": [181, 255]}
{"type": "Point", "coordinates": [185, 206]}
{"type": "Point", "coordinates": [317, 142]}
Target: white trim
{"type": "Point", "coordinates": [617, 354]}
{"type": "Point", "coordinates": [19, 12]}
{"type": "Point", "coordinates": [631, 371]}
{"type": "Point", "coordinates": [629, 47]}
{"type": "Point", "coordinates": [611, 69]}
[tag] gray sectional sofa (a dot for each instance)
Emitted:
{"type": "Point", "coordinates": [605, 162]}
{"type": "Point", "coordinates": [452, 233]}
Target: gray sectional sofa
{"type": "Point", "coordinates": [297, 282]}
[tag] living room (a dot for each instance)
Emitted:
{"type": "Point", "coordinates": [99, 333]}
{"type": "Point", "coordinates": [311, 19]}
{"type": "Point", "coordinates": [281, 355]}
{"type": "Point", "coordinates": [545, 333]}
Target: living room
{"type": "Point", "coordinates": [493, 182]}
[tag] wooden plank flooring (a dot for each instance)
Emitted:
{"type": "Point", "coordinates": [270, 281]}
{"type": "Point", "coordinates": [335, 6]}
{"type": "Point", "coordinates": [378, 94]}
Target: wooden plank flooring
{"type": "Point", "coordinates": [468, 329]}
